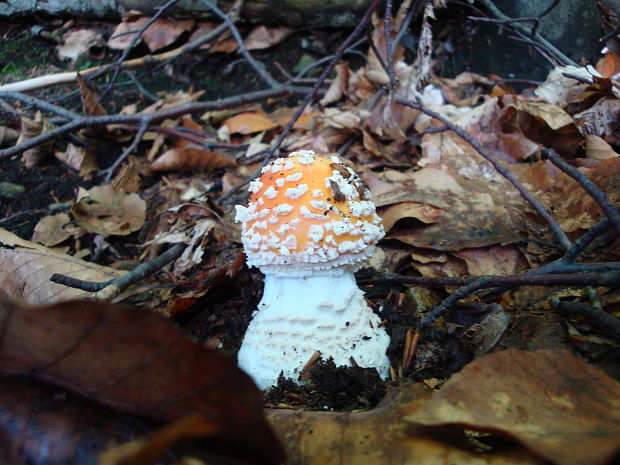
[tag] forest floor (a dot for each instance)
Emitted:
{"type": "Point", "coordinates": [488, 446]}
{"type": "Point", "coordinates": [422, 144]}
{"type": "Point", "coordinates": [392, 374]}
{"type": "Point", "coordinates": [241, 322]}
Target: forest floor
{"type": "Point", "coordinates": [474, 176]}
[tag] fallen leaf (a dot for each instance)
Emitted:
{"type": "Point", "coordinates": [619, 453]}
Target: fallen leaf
{"type": "Point", "coordinates": [223, 43]}
{"type": "Point", "coordinates": [493, 260]}
{"type": "Point", "coordinates": [41, 425]}
{"type": "Point", "coordinates": [8, 136]}
{"type": "Point", "coordinates": [78, 43]}
{"type": "Point", "coordinates": [32, 128]}
{"type": "Point", "coordinates": [50, 230]}
{"type": "Point", "coordinates": [90, 99]}
{"type": "Point", "coordinates": [249, 123]}
{"type": "Point", "coordinates": [598, 149]}
{"type": "Point", "coordinates": [347, 438]}
{"type": "Point", "coordinates": [123, 34]}
{"type": "Point", "coordinates": [600, 119]}
{"type": "Point", "coordinates": [103, 210]}
{"type": "Point", "coordinates": [551, 401]}
{"type": "Point", "coordinates": [137, 362]}
{"type": "Point", "coordinates": [609, 65]}
{"type": "Point", "coordinates": [559, 89]}
{"type": "Point", "coordinates": [81, 159]}
{"type": "Point", "coordinates": [339, 87]}
{"type": "Point", "coordinates": [26, 268]}
{"type": "Point", "coordinates": [554, 116]}
{"type": "Point", "coordinates": [264, 37]}
{"type": "Point", "coordinates": [164, 32]}
{"type": "Point", "coordinates": [149, 449]}
{"type": "Point", "coordinates": [410, 210]}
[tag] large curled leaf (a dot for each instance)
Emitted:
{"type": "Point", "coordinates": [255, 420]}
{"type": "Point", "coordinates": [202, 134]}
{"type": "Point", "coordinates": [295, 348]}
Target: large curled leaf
{"type": "Point", "coordinates": [557, 405]}
{"type": "Point", "coordinates": [26, 268]}
{"type": "Point", "coordinates": [137, 362]}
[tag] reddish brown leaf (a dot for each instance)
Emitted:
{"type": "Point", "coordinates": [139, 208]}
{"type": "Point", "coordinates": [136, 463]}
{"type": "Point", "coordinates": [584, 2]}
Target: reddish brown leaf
{"type": "Point", "coordinates": [557, 405]}
{"type": "Point", "coordinates": [137, 362]}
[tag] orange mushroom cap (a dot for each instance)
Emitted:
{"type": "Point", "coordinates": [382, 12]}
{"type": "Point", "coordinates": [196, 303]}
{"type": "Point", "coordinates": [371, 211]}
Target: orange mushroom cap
{"type": "Point", "coordinates": [308, 212]}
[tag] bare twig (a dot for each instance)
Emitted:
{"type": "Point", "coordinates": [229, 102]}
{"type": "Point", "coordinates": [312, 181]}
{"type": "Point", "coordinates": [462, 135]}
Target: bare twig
{"type": "Point", "coordinates": [155, 117]}
{"type": "Point", "coordinates": [123, 282]}
{"type": "Point", "coordinates": [138, 34]}
{"type": "Point", "coordinates": [490, 5]}
{"type": "Point", "coordinates": [144, 125]}
{"type": "Point", "coordinates": [610, 210]}
{"type": "Point", "coordinates": [610, 279]}
{"type": "Point", "coordinates": [309, 97]}
{"type": "Point", "coordinates": [501, 169]}
{"type": "Point", "coordinates": [37, 103]}
{"type": "Point", "coordinates": [605, 322]}
{"type": "Point", "coordinates": [258, 67]}
{"type": "Point", "coordinates": [389, 51]}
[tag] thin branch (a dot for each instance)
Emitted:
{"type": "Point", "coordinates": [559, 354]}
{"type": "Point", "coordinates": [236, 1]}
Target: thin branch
{"type": "Point", "coordinates": [610, 279]}
{"type": "Point", "coordinates": [123, 282]}
{"type": "Point", "coordinates": [605, 322]}
{"type": "Point", "coordinates": [155, 117]}
{"type": "Point", "coordinates": [144, 125]}
{"type": "Point", "coordinates": [490, 5]}
{"type": "Point", "coordinates": [580, 244]}
{"type": "Point", "coordinates": [37, 103]}
{"type": "Point", "coordinates": [138, 34]}
{"type": "Point", "coordinates": [611, 211]}
{"type": "Point", "coordinates": [501, 169]}
{"type": "Point", "coordinates": [258, 67]}
{"type": "Point", "coordinates": [389, 50]}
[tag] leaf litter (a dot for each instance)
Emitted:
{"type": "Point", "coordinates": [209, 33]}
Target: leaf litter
{"type": "Point", "coordinates": [447, 213]}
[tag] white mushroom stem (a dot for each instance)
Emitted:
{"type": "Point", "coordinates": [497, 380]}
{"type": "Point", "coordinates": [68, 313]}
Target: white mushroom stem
{"type": "Point", "coordinates": [323, 311]}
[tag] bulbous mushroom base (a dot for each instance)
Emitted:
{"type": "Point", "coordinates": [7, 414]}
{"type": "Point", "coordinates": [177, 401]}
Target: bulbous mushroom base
{"type": "Point", "coordinates": [298, 316]}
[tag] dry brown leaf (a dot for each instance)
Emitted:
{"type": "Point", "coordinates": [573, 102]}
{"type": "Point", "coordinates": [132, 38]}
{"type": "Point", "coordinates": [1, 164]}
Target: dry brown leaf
{"type": "Point", "coordinates": [81, 159]}
{"type": "Point", "coordinates": [78, 43]}
{"type": "Point", "coordinates": [8, 136]}
{"type": "Point", "coordinates": [339, 87]}
{"type": "Point", "coordinates": [379, 436]}
{"type": "Point", "coordinates": [188, 156]}
{"type": "Point", "coordinates": [480, 208]}
{"type": "Point", "coordinates": [559, 89]}
{"type": "Point", "coordinates": [494, 260]}
{"type": "Point", "coordinates": [549, 400]}
{"type": "Point", "coordinates": [32, 128]}
{"type": "Point", "coordinates": [50, 230]}
{"type": "Point", "coordinates": [598, 149]}
{"type": "Point", "coordinates": [609, 65]}
{"type": "Point", "coordinates": [103, 210]}
{"type": "Point", "coordinates": [496, 131]}
{"type": "Point", "coordinates": [149, 449]}
{"type": "Point", "coordinates": [122, 36]}
{"type": "Point", "coordinates": [90, 99]}
{"type": "Point", "coordinates": [224, 43]}
{"type": "Point", "coordinates": [249, 123]}
{"type": "Point", "coordinates": [410, 210]}
{"type": "Point", "coordinates": [554, 116]}
{"type": "Point", "coordinates": [282, 116]}
{"type": "Point", "coordinates": [264, 37]}
{"type": "Point", "coordinates": [26, 267]}
{"type": "Point", "coordinates": [164, 32]}
{"type": "Point", "coordinates": [600, 119]}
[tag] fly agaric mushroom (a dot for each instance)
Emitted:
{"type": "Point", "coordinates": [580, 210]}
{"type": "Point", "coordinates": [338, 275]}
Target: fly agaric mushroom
{"type": "Point", "coordinates": [308, 226]}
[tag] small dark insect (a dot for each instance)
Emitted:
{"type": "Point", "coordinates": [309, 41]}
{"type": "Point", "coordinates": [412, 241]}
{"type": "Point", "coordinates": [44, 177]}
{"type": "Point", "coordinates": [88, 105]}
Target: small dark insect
{"type": "Point", "coordinates": [338, 195]}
